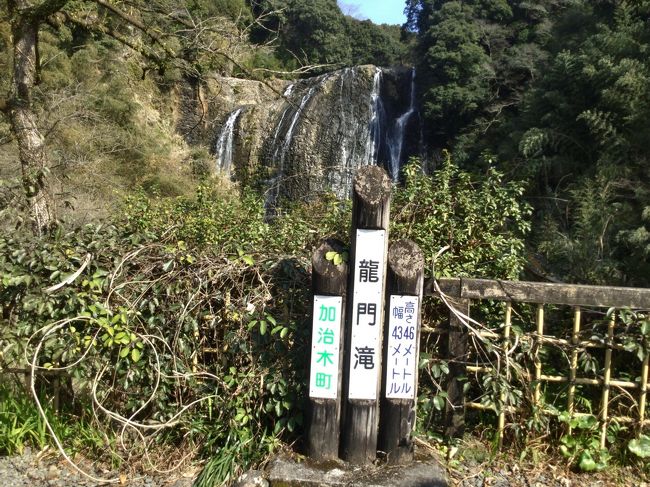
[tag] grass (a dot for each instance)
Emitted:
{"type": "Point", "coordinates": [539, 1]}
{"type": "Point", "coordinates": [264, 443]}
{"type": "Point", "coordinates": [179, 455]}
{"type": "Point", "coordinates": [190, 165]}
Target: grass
{"type": "Point", "coordinates": [476, 458]}
{"type": "Point", "coordinates": [22, 426]}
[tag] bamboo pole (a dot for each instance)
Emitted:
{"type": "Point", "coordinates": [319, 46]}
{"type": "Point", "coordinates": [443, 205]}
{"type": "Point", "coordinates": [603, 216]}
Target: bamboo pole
{"type": "Point", "coordinates": [538, 362]}
{"type": "Point", "coordinates": [644, 390]}
{"type": "Point", "coordinates": [574, 362]}
{"type": "Point", "coordinates": [513, 410]}
{"type": "Point", "coordinates": [623, 384]}
{"type": "Point", "coordinates": [606, 381]}
{"type": "Point", "coordinates": [506, 346]}
{"type": "Point", "coordinates": [544, 339]}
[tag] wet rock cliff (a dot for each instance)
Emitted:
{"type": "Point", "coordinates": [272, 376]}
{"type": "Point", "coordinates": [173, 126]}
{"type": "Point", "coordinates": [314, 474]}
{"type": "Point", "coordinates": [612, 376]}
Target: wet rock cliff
{"type": "Point", "coordinates": [301, 138]}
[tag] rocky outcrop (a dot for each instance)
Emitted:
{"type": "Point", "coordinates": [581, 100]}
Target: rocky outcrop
{"type": "Point", "coordinates": [302, 138]}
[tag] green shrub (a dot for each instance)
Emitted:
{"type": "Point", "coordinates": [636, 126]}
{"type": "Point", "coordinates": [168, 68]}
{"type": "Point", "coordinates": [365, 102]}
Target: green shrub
{"type": "Point", "coordinates": [482, 221]}
{"type": "Point", "coordinates": [185, 301]}
{"type": "Point", "coordinates": [200, 303]}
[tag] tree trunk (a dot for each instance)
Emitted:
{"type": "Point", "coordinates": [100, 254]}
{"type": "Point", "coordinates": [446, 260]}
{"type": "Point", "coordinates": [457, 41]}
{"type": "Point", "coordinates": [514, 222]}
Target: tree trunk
{"type": "Point", "coordinates": [33, 160]}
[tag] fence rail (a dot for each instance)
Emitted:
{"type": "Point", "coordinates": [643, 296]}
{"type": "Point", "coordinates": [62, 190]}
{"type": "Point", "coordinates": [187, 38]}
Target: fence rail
{"type": "Point", "coordinates": [461, 293]}
{"type": "Point", "coordinates": [542, 292]}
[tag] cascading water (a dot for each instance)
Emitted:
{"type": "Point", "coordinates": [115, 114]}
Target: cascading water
{"type": "Point", "coordinates": [316, 135]}
{"type": "Point", "coordinates": [358, 133]}
{"type": "Point", "coordinates": [347, 150]}
{"type": "Point", "coordinates": [288, 90]}
{"type": "Point", "coordinates": [280, 151]}
{"type": "Point", "coordinates": [398, 133]}
{"type": "Point", "coordinates": [373, 140]}
{"type": "Point", "coordinates": [223, 147]}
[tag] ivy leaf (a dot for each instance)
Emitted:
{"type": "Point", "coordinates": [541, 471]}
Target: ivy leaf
{"type": "Point", "coordinates": [645, 328]}
{"type": "Point", "coordinates": [587, 463]}
{"type": "Point", "coordinates": [565, 451]}
{"type": "Point", "coordinates": [438, 402]}
{"type": "Point", "coordinates": [136, 354]}
{"type": "Point", "coordinates": [640, 446]}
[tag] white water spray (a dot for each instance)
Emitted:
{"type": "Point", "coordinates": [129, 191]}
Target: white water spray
{"type": "Point", "coordinates": [223, 147]}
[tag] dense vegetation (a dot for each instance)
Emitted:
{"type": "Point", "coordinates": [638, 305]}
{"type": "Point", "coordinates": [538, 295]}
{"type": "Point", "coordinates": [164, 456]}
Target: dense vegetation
{"type": "Point", "coordinates": [315, 32]}
{"type": "Point", "coordinates": [555, 93]}
{"type": "Point", "coordinates": [196, 304]}
{"type": "Point", "coordinates": [190, 293]}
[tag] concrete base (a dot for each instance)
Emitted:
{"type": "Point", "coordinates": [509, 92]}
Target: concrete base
{"type": "Point", "coordinates": [285, 471]}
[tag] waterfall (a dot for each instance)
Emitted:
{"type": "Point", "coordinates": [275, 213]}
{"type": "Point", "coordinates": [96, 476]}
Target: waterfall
{"type": "Point", "coordinates": [223, 147]}
{"type": "Point", "coordinates": [280, 151]}
{"type": "Point", "coordinates": [347, 153]}
{"type": "Point", "coordinates": [359, 134]}
{"type": "Point", "coordinates": [373, 140]}
{"type": "Point", "coordinates": [288, 90]}
{"type": "Point", "coordinates": [397, 133]}
{"type": "Point", "coordinates": [314, 134]}
{"type": "Point", "coordinates": [286, 94]}
{"type": "Point", "coordinates": [303, 103]}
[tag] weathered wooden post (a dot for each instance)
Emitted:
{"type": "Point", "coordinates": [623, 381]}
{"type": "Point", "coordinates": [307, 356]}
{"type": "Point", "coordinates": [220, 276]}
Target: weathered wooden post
{"type": "Point", "coordinates": [404, 284]}
{"type": "Point", "coordinates": [364, 317]}
{"type": "Point", "coordinates": [457, 355]}
{"type": "Point", "coordinates": [329, 284]}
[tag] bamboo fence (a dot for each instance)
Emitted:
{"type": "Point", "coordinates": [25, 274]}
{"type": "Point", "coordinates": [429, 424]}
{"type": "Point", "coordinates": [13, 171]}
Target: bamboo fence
{"type": "Point", "coordinates": [543, 295]}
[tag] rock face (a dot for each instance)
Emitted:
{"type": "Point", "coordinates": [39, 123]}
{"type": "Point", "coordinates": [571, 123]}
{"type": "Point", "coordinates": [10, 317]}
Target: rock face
{"type": "Point", "coordinates": [287, 472]}
{"type": "Point", "coordinates": [306, 137]}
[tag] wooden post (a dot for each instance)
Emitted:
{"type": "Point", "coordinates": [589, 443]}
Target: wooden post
{"type": "Point", "coordinates": [370, 211]}
{"type": "Point", "coordinates": [405, 276]}
{"type": "Point", "coordinates": [324, 415]}
{"type": "Point", "coordinates": [457, 354]}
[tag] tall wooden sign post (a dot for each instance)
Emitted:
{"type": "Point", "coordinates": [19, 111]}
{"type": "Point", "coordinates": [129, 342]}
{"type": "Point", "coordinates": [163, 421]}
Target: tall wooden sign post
{"type": "Point", "coordinates": [329, 284]}
{"type": "Point", "coordinates": [382, 331]}
{"type": "Point", "coordinates": [369, 240]}
{"type": "Point", "coordinates": [404, 287]}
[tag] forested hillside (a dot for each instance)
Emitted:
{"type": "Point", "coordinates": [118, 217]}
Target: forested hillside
{"type": "Point", "coordinates": [553, 93]}
{"type": "Point", "coordinates": [125, 248]}
{"type": "Point", "coordinates": [556, 94]}
{"type": "Point", "coordinates": [103, 82]}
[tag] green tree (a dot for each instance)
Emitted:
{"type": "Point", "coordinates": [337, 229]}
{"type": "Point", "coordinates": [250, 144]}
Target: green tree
{"type": "Point", "coordinates": [370, 43]}
{"type": "Point", "coordinates": [316, 34]}
{"type": "Point", "coordinates": [309, 32]}
{"type": "Point", "coordinates": [455, 70]}
{"type": "Point", "coordinates": [584, 143]}
{"type": "Point", "coordinates": [476, 60]}
{"type": "Point", "coordinates": [166, 36]}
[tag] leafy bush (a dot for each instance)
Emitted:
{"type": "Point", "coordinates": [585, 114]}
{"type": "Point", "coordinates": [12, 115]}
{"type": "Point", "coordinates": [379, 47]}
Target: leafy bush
{"type": "Point", "coordinates": [483, 222]}
{"type": "Point", "coordinates": [199, 305]}
{"type": "Point", "coordinates": [186, 304]}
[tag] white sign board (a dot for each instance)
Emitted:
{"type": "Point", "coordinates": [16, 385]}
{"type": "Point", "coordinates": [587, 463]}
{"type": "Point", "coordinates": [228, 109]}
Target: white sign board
{"type": "Point", "coordinates": [401, 356]}
{"type": "Point", "coordinates": [325, 340]}
{"type": "Point", "coordinates": [367, 311]}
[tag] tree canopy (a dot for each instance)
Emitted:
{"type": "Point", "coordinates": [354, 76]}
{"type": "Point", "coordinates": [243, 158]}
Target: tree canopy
{"type": "Point", "coordinates": [317, 32]}
{"type": "Point", "coordinates": [557, 92]}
